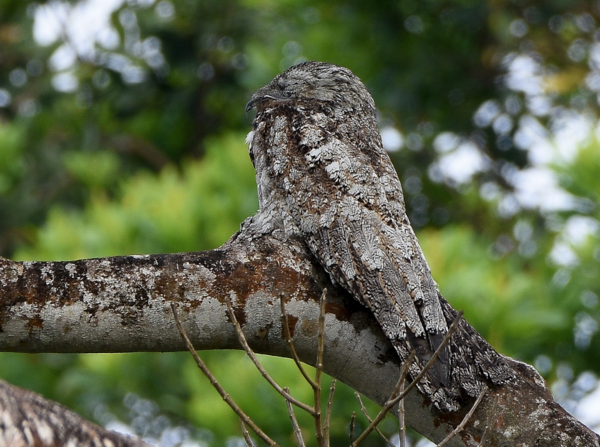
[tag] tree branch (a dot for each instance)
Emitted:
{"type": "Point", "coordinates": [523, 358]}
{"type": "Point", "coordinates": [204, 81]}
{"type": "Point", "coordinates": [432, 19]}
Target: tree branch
{"type": "Point", "coordinates": [122, 304]}
{"type": "Point", "coordinates": [29, 420]}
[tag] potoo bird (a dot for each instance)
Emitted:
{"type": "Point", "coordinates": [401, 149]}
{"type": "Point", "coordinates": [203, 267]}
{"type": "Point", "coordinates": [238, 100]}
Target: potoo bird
{"type": "Point", "coordinates": [324, 176]}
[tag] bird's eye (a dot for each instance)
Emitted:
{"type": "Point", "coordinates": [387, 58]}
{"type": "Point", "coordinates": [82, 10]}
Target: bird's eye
{"type": "Point", "coordinates": [287, 93]}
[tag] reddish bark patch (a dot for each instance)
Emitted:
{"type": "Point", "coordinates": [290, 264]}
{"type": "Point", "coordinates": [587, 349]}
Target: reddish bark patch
{"type": "Point", "coordinates": [35, 323]}
{"type": "Point", "coordinates": [292, 321]}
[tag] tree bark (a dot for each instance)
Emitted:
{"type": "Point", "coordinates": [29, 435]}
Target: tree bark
{"type": "Point", "coordinates": [30, 420]}
{"type": "Point", "coordinates": [123, 304]}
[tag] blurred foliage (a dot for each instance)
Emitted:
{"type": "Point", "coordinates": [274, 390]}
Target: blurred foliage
{"type": "Point", "coordinates": [130, 140]}
{"type": "Point", "coordinates": [196, 207]}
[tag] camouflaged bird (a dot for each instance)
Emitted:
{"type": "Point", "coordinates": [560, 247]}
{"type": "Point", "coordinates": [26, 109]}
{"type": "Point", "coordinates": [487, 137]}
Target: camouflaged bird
{"type": "Point", "coordinates": [324, 176]}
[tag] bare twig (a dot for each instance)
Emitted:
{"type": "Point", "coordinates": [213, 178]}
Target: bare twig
{"type": "Point", "coordinates": [389, 404]}
{"type": "Point", "coordinates": [321, 336]}
{"type": "Point", "coordinates": [465, 419]}
{"type": "Point", "coordinates": [351, 427]}
{"type": "Point", "coordinates": [401, 423]}
{"type": "Point", "coordinates": [328, 411]}
{"type": "Point", "coordinates": [394, 399]}
{"type": "Point", "coordinates": [366, 413]}
{"type": "Point", "coordinates": [319, 371]}
{"type": "Point", "coordinates": [491, 416]}
{"type": "Point", "coordinates": [215, 383]}
{"type": "Point", "coordinates": [295, 425]}
{"type": "Point", "coordinates": [485, 432]}
{"type": "Point", "coordinates": [322, 441]}
{"type": "Point", "coordinates": [288, 336]}
{"type": "Point", "coordinates": [263, 372]}
{"type": "Point", "coordinates": [247, 438]}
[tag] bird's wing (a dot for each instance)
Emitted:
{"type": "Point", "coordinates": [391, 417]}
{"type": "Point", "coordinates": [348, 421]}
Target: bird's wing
{"type": "Point", "coordinates": [375, 264]}
{"type": "Point", "coordinates": [349, 206]}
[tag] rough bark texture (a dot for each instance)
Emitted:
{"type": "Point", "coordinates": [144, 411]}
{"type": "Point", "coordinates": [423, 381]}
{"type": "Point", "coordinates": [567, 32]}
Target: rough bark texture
{"type": "Point", "coordinates": [122, 304]}
{"type": "Point", "coordinates": [27, 419]}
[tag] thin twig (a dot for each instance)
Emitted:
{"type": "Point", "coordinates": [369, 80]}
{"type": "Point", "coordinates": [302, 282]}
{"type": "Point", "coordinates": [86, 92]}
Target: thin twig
{"type": "Point", "coordinates": [321, 336]}
{"type": "Point", "coordinates": [465, 419]}
{"type": "Point", "coordinates": [261, 369]}
{"type": "Point", "coordinates": [394, 399]}
{"type": "Point", "coordinates": [295, 425]}
{"type": "Point", "coordinates": [215, 383]}
{"type": "Point", "coordinates": [485, 432]}
{"type": "Point", "coordinates": [389, 404]}
{"type": "Point", "coordinates": [351, 427]}
{"type": "Point", "coordinates": [319, 371]}
{"type": "Point", "coordinates": [247, 438]}
{"type": "Point", "coordinates": [328, 412]}
{"type": "Point", "coordinates": [401, 423]}
{"type": "Point", "coordinates": [290, 342]}
{"type": "Point", "coordinates": [366, 413]}
{"type": "Point", "coordinates": [492, 415]}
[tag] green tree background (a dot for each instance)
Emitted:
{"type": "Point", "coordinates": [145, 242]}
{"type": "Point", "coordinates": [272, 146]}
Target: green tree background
{"type": "Point", "coordinates": [130, 139]}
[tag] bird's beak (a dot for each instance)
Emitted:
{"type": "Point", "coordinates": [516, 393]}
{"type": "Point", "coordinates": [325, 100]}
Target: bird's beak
{"type": "Point", "coordinates": [261, 95]}
{"type": "Point", "coordinates": [251, 104]}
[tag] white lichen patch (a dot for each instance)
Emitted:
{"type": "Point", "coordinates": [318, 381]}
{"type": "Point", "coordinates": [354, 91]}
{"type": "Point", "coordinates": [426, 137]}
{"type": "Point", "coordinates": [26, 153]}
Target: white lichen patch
{"type": "Point", "coordinates": [47, 274]}
{"type": "Point", "coordinates": [212, 323]}
{"type": "Point", "coordinates": [72, 269]}
{"type": "Point", "coordinates": [199, 272]}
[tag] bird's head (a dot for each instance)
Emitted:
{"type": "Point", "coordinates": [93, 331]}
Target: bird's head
{"type": "Point", "coordinates": [315, 81]}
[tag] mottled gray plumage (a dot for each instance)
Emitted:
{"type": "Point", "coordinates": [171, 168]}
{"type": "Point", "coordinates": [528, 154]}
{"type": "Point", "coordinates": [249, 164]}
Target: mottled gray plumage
{"type": "Point", "coordinates": [324, 176]}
